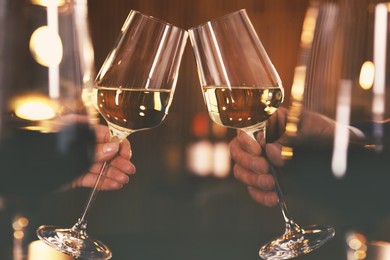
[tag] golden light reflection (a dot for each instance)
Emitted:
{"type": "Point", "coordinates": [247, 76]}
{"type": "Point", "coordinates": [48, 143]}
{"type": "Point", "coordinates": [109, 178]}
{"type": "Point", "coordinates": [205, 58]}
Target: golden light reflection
{"type": "Point", "coordinates": [18, 225]}
{"type": "Point", "coordinates": [295, 109]}
{"type": "Point", "coordinates": [46, 46]}
{"type": "Point", "coordinates": [287, 152]}
{"type": "Point", "coordinates": [34, 108]}
{"type": "Point", "coordinates": [357, 246]}
{"type": "Point", "coordinates": [157, 101]}
{"type": "Point", "coordinates": [20, 222]}
{"type": "Point", "coordinates": [367, 75]}
{"type": "Point", "coordinates": [38, 250]}
{"type": "Point", "coordinates": [298, 86]}
{"type": "Point", "coordinates": [18, 234]}
{"type": "Point", "coordinates": [308, 28]}
{"type": "Point", "coordinates": [291, 128]}
{"type": "Point", "coordinates": [46, 2]}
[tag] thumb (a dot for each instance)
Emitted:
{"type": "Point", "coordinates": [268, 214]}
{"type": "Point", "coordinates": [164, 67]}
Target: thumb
{"type": "Point", "coordinates": [106, 151]}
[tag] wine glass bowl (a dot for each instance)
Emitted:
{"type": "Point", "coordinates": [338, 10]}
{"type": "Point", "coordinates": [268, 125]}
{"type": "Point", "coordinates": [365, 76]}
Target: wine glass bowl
{"type": "Point", "coordinates": [133, 91]}
{"type": "Point", "coordinates": [241, 90]}
{"type": "Point", "coordinates": [235, 73]}
{"type": "Point", "coordinates": [239, 106]}
{"type": "Point", "coordinates": [130, 110]}
{"type": "Point", "coordinates": [44, 126]}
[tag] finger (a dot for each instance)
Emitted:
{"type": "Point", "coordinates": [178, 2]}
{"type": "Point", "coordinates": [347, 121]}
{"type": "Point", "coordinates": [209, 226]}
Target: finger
{"type": "Point", "coordinates": [263, 181]}
{"type": "Point", "coordinates": [102, 133]}
{"type": "Point", "coordinates": [274, 153]}
{"type": "Point", "coordinates": [254, 163]}
{"type": "Point", "coordinates": [266, 198]}
{"type": "Point", "coordinates": [89, 181]}
{"type": "Point", "coordinates": [260, 138]}
{"type": "Point", "coordinates": [248, 144]}
{"type": "Point", "coordinates": [124, 165]}
{"type": "Point", "coordinates": [125, 149]}
{"type": "Point", "coordinates": [117, 175]}
{"type": "Point", "coordinates": [119, 163]}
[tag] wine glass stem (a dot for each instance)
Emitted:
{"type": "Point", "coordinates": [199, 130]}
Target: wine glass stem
{"type": "Point", "coordinates": [81, 225]}
{"type": "Point", "coordinates": [82, 221]}
{"type": "Point", "coordinates": [290, 224]}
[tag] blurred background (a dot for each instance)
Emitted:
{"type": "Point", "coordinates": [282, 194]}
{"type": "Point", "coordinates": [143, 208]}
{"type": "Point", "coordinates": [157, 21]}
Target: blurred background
{"type": "Point", "coordinates": [183, 202]}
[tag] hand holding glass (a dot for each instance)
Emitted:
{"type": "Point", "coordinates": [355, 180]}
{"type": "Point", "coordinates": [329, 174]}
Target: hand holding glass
{"type": "Point", "coordinates": [242, 89]}
{"type": "Point", "coordinates": [133, 92]}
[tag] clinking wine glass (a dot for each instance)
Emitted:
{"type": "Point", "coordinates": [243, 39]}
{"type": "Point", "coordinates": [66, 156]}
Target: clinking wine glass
{"type": "Point", "coordinates": [133, 92]}
{"type": "Point", "coordinates": [242, 89]}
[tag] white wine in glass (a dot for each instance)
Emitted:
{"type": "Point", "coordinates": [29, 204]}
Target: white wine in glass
{"type": "Point", "coordinates": [133, 91]}
{"type": "Point", "coordinates": [242, 89]}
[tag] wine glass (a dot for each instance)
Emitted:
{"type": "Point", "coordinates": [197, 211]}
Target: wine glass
{"type": "Point", "coordinates": [46, 140]}
{"type": "Point", "coordinates": [348, 76]}
{"type": "Point", "coordinates": [242, 89]}
{"type": "Point", "coordinates": [44, 126]}
{"type": "Point", "coordinates": [133, 92]}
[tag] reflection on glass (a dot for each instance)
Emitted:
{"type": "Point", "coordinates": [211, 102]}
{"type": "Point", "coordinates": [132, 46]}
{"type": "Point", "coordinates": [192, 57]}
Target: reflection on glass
{"type": "Point", "coordinates": [133, 92]}
{"type": "Point", "coordinates": [241, 90]}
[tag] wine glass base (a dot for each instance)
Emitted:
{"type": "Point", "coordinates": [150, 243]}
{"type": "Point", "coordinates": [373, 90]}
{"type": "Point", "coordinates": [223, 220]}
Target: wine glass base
{"type": "Point", "coordinates": [294, 244]}
{"type": "Point", "coordinates": [73, 242]}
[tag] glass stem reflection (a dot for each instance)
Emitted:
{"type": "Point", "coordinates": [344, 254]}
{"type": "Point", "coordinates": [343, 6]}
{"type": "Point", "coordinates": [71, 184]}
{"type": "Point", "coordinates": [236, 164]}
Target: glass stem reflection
{"type": "Point", "coordinates": [82, 221]}
{"type": "Point", "coordinates": [291, 226]}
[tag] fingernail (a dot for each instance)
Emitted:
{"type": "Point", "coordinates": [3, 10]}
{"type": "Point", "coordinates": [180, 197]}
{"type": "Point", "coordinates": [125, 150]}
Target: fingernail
{"type": "Point", "coordinates": [109, 147]}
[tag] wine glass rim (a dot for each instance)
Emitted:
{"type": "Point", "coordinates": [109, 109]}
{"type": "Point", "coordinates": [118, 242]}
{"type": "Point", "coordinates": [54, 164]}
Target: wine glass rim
{"type": "Point", "coordinates": [243, 10]}
{"type": "Point", "coordinates": [156, 19]}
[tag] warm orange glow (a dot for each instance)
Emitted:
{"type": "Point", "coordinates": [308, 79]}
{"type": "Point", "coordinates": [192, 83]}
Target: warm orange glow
{"type": "Point", "coordinates": [309, 25]}
{"type": "Point", "coordinates": [367, 75]}
{"type": "Point", "coordinates": [200, 158]}
{"type": "Point", "coordinates": [221, 158]}
{"type": "Point", "coordinates": [34, 108]}
{"type": "Point", "coordinates": [298, 87]}
{"type": "Point", "coordinates": [218, 130]}
{"type": "Point", "coordinates": [357, 246]}
{"type": "Point", "coordinates": [37, 250]}
{"type": "Point", "coordinates": [291, 128]}
{"type": "Point", "coordinates": [360, 255]}
{"type": "Point", "coordinates": [18, 234]}
{"type": "Point", "coordinates": [46, 46]}
{"type": "Point", "coordinates": [45, 2]}
{"type": "Point", "coordinates": [20, 223]}
{"type": "Point", "coordinates": [355, 243]}
{"type": "Point", "coordinates": [287, 152]}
